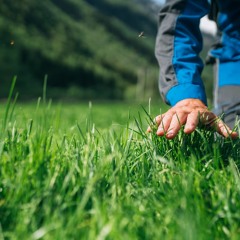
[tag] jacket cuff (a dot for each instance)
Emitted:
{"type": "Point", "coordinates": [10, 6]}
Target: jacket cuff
{"type": "Point", "coordinates": [185, 91]}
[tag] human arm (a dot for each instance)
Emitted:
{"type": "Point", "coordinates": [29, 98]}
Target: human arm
{"type": "Point", "coordinates": [178, 45]}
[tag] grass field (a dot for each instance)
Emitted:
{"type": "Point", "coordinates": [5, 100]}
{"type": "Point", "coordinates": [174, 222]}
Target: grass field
{"type": "Point", "coordinates": [89, 171]}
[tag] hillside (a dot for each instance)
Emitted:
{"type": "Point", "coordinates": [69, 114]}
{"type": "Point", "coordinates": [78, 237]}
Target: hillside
{"type": "Point", "coordinates": [88, 48]}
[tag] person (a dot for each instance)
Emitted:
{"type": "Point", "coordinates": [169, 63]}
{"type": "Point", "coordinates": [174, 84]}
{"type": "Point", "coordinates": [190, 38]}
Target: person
{"type": "Point", "coordinates": [178, 44]}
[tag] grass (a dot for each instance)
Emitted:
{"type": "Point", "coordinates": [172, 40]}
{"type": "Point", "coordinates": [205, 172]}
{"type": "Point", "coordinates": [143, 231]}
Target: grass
{"type": "Point", "coordinates": [89, 171]}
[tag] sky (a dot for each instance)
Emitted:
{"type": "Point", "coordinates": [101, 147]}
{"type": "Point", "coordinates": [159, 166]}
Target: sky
{"type": "Point", "coordinates": [205, 25]}
{"type": "Point", "coordinates": [159, 1]}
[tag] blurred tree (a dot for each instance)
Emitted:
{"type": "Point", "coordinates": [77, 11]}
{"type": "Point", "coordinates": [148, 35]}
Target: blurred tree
{"type": "Point", "coordinates": [89, 44]}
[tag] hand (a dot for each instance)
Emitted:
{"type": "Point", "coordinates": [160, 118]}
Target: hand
{"type": "Point", "coordinates": [191, 113]}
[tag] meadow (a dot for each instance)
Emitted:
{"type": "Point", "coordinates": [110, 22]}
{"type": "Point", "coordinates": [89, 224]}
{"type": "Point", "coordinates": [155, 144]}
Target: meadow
{"type": "Point", "coordinates": [90, 171]}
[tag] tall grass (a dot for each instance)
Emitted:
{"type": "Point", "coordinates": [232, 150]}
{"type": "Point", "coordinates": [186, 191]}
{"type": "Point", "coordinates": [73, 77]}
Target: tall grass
{"type": "Point", "coordinates": [63, 179]}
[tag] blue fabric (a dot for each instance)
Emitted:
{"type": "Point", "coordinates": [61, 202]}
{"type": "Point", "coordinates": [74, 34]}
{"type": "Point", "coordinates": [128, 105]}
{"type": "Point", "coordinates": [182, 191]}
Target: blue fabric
{"type": "Point", "coordinates": [229, 73]}
{"type": "Point", "coordinates": [184, 91]}
{"type": "Point", "coordinates": [229, 54]}
{"type": "Point", "coordinates": [186, 61]}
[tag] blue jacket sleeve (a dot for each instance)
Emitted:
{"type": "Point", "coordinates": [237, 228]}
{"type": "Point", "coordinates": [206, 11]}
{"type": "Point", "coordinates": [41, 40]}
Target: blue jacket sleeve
{"type": "Point", "coordinates": [228, 54]}
{"type": "Point", "coordinates": [178, 44]}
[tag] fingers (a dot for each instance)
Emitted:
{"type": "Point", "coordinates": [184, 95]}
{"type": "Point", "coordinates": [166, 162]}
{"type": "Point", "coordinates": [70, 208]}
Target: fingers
{"type": "Point", "coordinates": [176, 123]}
{"type": "Point", "coordinates": [224, 130]}
{"type": "Point", "coordinates": [192, 122]}
{"type": "Point", "coordinates": [194, 118]}
{"type": "Point", "coordinates": [170, 124]}
{"type": "Point", "coordinates": [157, 121]}
{"type": "Point", "coordinates": [164, 124]}
{"type": "Point", "coordinates": [218, 125]}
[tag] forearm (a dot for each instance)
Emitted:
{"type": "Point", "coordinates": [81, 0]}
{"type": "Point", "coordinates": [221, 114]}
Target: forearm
{"type": "Point", "coordinates": [178, 44]}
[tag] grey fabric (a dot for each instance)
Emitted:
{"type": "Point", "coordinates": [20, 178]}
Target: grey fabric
{"type": "Point", "coordinates": [227, 104]}
{"type": "Point", "coordinates": [164, 49]}
{"type": "Point", "coordinates": [232, 120]}
{"type": "Point", "coordinates": [215, 89]}
{"type": "Point", "coordinates": [228, 96]}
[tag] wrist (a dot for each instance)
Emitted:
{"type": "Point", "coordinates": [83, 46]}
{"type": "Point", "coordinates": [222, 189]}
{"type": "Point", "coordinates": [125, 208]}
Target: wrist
{"type": "Point", "coordinates": [191, 102]}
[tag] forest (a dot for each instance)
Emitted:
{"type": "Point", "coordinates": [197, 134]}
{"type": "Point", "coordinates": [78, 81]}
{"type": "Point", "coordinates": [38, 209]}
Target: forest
{"type": "Point", "coordinates": [87, 49]}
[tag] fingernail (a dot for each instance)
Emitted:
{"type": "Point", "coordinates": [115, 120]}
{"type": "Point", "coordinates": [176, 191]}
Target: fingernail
{"type": "Point", "coordinates": [170, 134]}
{"type": "Point", "coordinates": [160, 132]}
